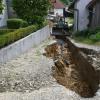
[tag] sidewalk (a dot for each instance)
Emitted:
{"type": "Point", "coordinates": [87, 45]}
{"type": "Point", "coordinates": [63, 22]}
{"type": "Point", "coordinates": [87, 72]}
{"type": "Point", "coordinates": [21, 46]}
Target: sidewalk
{"type": "Point", "coordinates": [81, 45]}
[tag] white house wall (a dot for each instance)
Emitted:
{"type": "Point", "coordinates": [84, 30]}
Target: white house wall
{"type": "Point", "coordinates": [58, 11]}
{"type": "Point", "coordinates": [83, 15]}
{"type": "Point", "coordinates": [4, 15]}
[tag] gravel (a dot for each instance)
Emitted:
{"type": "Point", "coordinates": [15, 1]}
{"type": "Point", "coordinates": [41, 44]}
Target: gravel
{"type": "Point", "coordinates": [29, 72]}
{"type": "Point", "coordinates": [29, 77]}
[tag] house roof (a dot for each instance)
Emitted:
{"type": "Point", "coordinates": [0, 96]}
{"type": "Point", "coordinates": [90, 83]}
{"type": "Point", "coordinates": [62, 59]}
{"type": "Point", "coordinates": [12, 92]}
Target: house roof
{"type": "Point", "coordinates": [57, 4]}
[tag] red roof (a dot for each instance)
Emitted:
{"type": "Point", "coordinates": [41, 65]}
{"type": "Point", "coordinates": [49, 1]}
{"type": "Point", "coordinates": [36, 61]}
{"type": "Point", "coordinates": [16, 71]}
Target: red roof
{"type": "Point", "coordinates": [57, 4]}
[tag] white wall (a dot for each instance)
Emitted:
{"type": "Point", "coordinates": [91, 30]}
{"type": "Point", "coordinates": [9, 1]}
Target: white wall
{"type": "Point", "coordinates": [4, 15]}
{"type": "Point", "coordinates": [59, 11]}
{"type": "Point", "coordinates": [83, 14]}
{"type": "Point", "coordinates": [23, 45]}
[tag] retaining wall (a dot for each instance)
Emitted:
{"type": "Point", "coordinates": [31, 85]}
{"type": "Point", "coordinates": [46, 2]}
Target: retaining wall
{"type": "Point", "coordinates": [23, 45]}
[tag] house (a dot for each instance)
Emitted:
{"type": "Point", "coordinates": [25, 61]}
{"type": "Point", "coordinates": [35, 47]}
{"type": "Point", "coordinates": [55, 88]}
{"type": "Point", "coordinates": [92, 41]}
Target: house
{"type": "Point", "coordinates": [94, 13]}
{"type": "Point", "coordinates": [4, 15]}
{"type": "Point", "coordinates": [86, 13]}
{"type": "Point", "coordinates": [7, 12]}
{"type": "Point", "coordinates": [57, 7]}
{"type": "Point", "coordinates": [11, 12]}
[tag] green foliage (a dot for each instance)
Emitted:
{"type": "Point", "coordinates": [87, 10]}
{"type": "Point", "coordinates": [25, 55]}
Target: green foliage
{"type": "Point", "coordinates": [95, 37]}
{"type": "Point", "coordinates": [83, 33]}
{"type": "Point", "coordinates": [33, 11]}
{"type": "Point", "coordinates": [89, 36]}
{"type": "Point", "coordinates": [1, 6]}
{"type": "Point", "coordinates": [98, 35]}
{"type": "Point", "coordinates": [11, 37]}
{"type": "Point", "coordinates": [66, 1]}
{"type": "Point", "coordinates": [5, 31]}
{"type": "Point", "coordinates": [16, 23]}
{"type": "Point", "coordinates": [87, 32]}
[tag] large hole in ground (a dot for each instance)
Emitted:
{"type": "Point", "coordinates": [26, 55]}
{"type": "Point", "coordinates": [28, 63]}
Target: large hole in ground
{"type": "Point", "coordinates": [74, 67]}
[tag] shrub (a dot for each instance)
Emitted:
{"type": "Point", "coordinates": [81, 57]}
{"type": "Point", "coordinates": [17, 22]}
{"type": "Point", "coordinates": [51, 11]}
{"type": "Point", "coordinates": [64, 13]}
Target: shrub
{"type": "Point", "coordinates": [95, 37]}
{"type": "Point", "coordinates": [83, 33]}
{"type": "Point", "coordinates": [4, 31]}
{"type": "Point", "coordinates": [11, 37]}
{"type": "Point", "coordinates": [27, 9]}
{"type": "Point", "coordinates": [98, 35]}
{"type": "Point", "coordinates": [16, 23]}
{"type": "Point", "coordinates": [87, 32]}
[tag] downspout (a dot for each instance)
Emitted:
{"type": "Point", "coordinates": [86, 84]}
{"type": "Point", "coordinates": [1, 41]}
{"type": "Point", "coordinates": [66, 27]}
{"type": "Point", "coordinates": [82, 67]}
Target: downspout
{"type": "Point", "coordinates": [77, 13]}
{"type": "Point", "coordinates": [7, 7]}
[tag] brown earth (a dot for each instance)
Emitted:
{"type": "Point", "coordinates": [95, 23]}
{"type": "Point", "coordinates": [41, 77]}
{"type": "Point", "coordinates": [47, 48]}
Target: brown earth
{"type": "Point", "coordinates": [72, 69]}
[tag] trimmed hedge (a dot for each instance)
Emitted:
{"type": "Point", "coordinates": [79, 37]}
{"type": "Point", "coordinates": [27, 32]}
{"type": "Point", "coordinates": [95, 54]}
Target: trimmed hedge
{"type": "Point", "coordinates": [5, 31]}
{"type": "Point", "coordinates": [16, 23]}
{"type": "Point", "coordinates": [11, 37]}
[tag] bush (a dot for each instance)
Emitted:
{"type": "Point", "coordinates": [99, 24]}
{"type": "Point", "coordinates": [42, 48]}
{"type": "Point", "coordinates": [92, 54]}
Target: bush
{"type": "Point", "coordinates": [87, 33]}
{"type": "Point", "coordinates": [98, 35]}
{"type": "Point", "coordinates": [4, 31]}
{"type": "Point", "coordinates": [30, 9]}
{"type": "Point", "coordinates": [11, 37]}
{"type": "Point", "coordinates": [95, 37]}
{"type": "Point", "coordinates": [83, 33]}
{"type": "Point", "coordinates": [16, 23]}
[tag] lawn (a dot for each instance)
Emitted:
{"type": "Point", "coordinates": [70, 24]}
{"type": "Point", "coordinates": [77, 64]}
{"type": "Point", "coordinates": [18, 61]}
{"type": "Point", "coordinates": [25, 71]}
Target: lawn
{"type": "Point", "coordinates": [86, 41]}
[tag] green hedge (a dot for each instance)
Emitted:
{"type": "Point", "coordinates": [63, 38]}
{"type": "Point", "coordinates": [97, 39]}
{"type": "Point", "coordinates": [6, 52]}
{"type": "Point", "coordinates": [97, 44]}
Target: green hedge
{"type": "Point", "coordinates": [16, 23]}
{"type": "Point", "coordinates": [5, 31]}
{"type": "Point", "coordinates": [11, 37]}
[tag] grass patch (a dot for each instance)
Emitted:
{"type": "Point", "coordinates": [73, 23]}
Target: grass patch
{"type": "Point", "coordinates": [86, 40]}
{"type": "Point", "coordinates": [89, 36]}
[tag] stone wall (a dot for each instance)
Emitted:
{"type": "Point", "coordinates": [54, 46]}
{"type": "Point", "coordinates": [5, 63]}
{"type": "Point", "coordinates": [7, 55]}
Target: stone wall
{"type": "Point", "coordinates": [23, 45]}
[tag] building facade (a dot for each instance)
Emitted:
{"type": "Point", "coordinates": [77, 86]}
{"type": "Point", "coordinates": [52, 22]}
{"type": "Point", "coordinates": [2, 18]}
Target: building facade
{"type": "Point", "coordinates": [86, 14]}
{"type": "Point", "coordinates": [81, 14]}
{"type": "Point", "coordinates": [4, 15]}
{"type": "Point", "coordinates": [94, 17]}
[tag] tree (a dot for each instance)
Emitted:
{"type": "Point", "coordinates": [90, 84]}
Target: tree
{"type": "Point", "coordinates": [33, 11]}
{"type": "Point", "coordinates": [1, 6]}
{"type": "Point", "coordinates": [66, 1]}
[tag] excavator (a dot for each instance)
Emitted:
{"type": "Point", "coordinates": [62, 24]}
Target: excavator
{"type": "Point", "coordinates": [61, 28]}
